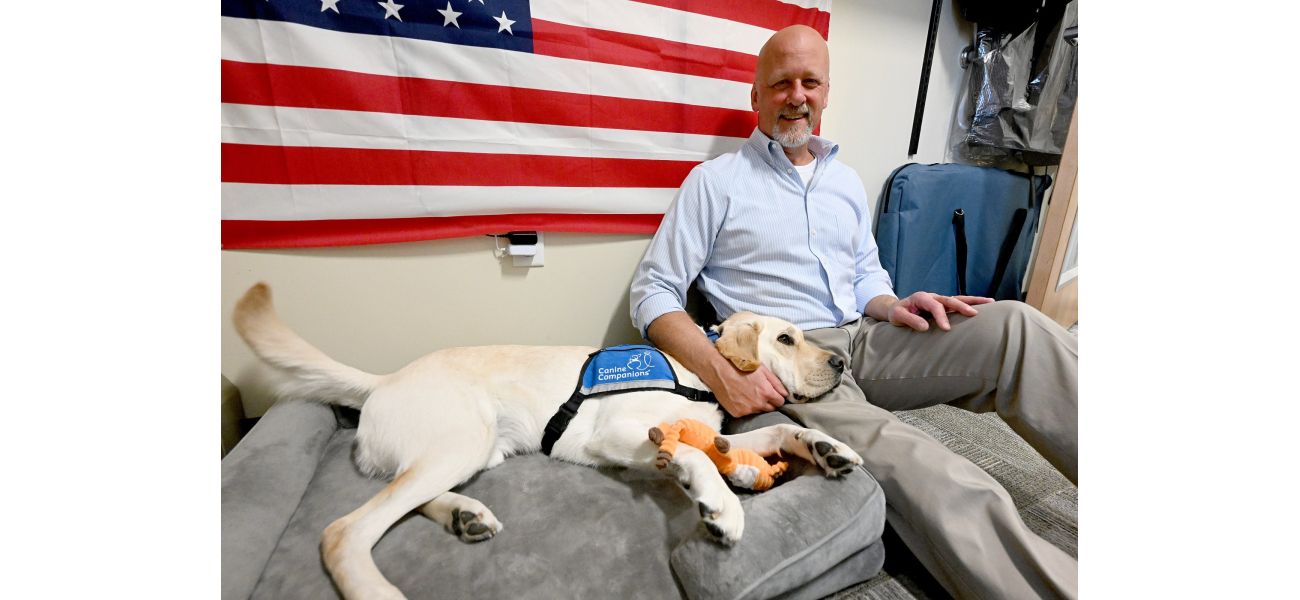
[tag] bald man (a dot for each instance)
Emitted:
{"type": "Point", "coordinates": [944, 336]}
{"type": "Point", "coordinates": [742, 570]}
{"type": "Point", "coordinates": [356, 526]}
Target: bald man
{"type": "Point", "coordinates": [781, 228]}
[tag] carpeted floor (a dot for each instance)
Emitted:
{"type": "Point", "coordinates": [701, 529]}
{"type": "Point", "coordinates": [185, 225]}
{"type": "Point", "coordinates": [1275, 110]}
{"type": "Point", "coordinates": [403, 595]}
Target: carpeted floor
{"type": "Point", "coordinates": [1048, 502]}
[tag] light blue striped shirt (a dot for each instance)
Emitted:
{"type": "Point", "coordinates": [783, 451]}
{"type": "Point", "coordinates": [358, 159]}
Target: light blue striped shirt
{"type": "Point", "coordinates": [758, 240]}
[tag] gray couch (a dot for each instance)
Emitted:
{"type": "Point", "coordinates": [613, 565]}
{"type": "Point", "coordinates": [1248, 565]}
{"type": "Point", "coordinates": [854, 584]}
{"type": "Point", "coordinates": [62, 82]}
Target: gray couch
{"type": "Point", "coordinates": [570, 532]}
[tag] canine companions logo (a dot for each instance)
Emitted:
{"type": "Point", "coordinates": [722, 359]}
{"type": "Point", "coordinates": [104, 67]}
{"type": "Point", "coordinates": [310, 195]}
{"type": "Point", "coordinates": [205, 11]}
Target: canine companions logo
{"type": "Point", "coordinates": [625, 368]}
{"type": "Point", "coordinates": [639, 362]}
{"type": "Point", "coordinates": [637, 367]}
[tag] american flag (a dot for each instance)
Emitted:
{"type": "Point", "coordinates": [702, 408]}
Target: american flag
{"type": "Point", "coordinates": [359, 122]}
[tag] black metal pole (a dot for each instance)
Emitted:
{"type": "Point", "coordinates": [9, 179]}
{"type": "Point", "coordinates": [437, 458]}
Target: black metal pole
{"type": "Point", "coordinates": [925, 77]}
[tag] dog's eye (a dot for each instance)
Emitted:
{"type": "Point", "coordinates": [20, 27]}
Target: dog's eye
{"type": "Point", "coordinates": [785, 339]}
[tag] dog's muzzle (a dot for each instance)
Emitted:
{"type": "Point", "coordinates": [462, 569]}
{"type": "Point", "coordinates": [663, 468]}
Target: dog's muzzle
{"type": "Point", "coordinates": [836, 365]}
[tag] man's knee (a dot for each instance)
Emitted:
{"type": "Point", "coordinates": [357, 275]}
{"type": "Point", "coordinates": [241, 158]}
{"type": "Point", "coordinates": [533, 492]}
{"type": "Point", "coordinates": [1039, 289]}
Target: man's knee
{"type": "Point", "coordinates": [1007, 307]}
{"type": "Point", "coordinates": [1009, 311]}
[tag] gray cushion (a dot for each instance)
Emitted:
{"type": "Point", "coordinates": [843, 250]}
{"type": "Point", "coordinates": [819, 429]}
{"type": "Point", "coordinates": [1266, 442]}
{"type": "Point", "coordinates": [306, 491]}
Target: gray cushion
{"type": "Point", "coordinates": [262, 481]}
{"type": "Point", "coordinates": [791, 537]}
{"type": "Point", "coordinates": [577, 532]}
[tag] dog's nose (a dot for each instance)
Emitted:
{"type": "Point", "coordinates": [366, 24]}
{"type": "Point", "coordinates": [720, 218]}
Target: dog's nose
{"type": "Point", "coordinates": [836, 363]}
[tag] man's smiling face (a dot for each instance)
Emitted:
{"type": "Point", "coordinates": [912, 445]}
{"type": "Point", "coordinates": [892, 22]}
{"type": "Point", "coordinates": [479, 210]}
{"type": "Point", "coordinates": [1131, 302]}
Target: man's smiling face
{"type": "Point", "coordinates": [791, 85]}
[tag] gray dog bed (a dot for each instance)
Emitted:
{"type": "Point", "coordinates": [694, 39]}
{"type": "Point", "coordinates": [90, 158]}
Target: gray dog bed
{"type": "Point", "coordinates": [570, 531]}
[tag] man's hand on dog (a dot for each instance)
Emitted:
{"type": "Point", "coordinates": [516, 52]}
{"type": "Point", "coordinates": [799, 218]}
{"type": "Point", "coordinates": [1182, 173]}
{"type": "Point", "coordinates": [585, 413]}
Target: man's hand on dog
{"type": "Point", "coordinates": [746, 393]}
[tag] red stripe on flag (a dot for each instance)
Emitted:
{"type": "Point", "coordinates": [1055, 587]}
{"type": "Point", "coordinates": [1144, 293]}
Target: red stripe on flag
{"type": "Point", "coordinates": [768, 14]}
{"type": "Point", "coordinates": [312, 87]}
{"type": "Point", "coordinates": [299, 165]}
{"type": "Point", "coordinates": [355, 232]}
{"type": "Point", "coordinates": [615, 48]}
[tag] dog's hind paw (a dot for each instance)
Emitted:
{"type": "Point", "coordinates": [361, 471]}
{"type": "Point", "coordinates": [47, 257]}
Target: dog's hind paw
{"type": "Point", "coordinates": [462, 516]}
{"type": "Point", "coordinates": [473, 526]}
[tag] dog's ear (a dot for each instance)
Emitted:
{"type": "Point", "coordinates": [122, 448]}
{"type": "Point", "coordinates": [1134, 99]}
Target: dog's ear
{"type": "Point", "coordinates": [739, 343]}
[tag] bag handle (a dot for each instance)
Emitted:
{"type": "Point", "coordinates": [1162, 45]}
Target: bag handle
{"type": "Point", "coordinates": [959, 233]}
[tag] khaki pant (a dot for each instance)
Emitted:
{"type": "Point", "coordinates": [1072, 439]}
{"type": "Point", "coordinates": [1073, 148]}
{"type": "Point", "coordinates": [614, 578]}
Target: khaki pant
{"type": "Point", "coordinates": [956, 518]}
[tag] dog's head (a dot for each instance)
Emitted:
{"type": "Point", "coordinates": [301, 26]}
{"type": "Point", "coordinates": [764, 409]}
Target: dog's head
{"type": "Point", "coordinates": [749, 340]}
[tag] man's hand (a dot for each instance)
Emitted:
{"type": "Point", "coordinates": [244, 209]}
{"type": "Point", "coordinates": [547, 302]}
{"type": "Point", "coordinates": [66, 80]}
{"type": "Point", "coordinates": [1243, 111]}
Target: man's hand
{"type": "Point", "coordinates": [906, 312]}
{"type": "Point", "coordinates": [746, 393]}
{"type": "Point", "coordinates": [739, 392]}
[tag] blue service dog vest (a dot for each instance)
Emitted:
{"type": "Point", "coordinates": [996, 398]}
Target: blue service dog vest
{"type": "Point", "coordinates": [618, 370]}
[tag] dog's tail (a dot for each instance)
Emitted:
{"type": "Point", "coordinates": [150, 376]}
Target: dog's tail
{"type": "Point", "coordinates": [312, 374]}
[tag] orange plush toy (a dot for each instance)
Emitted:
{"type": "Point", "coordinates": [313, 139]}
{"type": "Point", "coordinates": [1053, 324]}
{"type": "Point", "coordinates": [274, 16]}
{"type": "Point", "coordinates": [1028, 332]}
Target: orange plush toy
{"type": "Point", "coordinates": [743, 467]}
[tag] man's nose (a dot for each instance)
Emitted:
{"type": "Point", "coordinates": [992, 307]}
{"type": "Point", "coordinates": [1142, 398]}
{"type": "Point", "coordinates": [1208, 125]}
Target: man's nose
{"type": "Point", "coordinates": [798, 95]}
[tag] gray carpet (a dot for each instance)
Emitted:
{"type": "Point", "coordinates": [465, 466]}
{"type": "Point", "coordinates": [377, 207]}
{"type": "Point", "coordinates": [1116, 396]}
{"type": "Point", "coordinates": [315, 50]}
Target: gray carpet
{"type": "Point", "coordinates": [1048, 502]}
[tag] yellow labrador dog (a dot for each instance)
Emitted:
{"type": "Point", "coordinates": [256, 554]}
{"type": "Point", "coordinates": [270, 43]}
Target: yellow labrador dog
{"type": "Point", "coordinates": [439, 420]}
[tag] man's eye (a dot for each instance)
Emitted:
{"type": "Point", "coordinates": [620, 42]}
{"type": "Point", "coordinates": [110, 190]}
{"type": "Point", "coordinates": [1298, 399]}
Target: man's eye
{"type": "Point", "coordinates": [785, 339]}
{"type": "Point", "coordinates": [811, 83]}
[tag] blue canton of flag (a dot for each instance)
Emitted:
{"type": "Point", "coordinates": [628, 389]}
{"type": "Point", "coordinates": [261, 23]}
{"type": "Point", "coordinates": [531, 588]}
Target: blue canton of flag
{"type": "Point", "coordinates": [506, 25]}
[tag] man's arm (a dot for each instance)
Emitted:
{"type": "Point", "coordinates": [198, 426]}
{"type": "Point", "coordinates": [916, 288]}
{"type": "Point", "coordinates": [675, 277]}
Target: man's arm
{"type": "Point", "coordinates": [738, 392]}
{"type": "Point", "coordinates": [677, 253]}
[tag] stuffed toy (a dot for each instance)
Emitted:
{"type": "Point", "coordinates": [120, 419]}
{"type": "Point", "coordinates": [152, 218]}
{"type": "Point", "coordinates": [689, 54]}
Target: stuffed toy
{"type": "Point", "coordinates": [743, 467]}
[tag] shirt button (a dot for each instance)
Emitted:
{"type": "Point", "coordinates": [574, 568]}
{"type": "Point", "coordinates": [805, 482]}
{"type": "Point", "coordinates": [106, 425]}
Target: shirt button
{"type": "Point", "coordinates": [814, 232]}
{"type": "Point", "coordinates": [789, 170]}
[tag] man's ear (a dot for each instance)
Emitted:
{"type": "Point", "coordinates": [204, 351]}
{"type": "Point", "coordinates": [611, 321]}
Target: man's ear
{"type": "Point", "coordinates": [739, 343]}
{"type": "Point", "coordinates": [753, 98]}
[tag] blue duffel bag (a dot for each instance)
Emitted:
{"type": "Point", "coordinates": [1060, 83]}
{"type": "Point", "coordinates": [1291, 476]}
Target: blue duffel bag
{"type": "Point", "coordinates": [958, 229]}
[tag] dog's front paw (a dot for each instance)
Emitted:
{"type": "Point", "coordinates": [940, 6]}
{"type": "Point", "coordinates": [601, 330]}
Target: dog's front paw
{"type": "Point", "coordinates": [723, 518]}
{"type": "Point", "coordinates": [834, 458]}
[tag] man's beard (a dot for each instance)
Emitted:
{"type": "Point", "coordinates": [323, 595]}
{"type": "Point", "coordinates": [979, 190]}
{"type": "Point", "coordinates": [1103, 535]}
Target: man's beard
{"type": "Point", "coordinates": [794, 135]}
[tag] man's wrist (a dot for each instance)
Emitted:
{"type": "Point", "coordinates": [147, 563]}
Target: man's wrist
{"type": "Point", "coordinates": [879, 307]}
{"type": "Point", "coordinates": [719, 372]}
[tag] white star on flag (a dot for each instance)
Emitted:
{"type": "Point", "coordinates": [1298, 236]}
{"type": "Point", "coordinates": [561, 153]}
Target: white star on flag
{"type": "Point", "coordinates": [449, 16]}
{"type": "Point", "coordinates": [391, 8]}
{"type": "Point", "coordinates": [505, 23]}
{"type": "Point", "coordinates": [330, 4]}
{"type": "Point", "coordinates": [479, 1]}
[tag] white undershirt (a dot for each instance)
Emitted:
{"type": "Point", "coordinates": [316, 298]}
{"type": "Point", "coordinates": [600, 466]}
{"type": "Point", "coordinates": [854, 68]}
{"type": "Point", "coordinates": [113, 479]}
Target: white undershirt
{"type": "Point", "coordinates": [806, 171]}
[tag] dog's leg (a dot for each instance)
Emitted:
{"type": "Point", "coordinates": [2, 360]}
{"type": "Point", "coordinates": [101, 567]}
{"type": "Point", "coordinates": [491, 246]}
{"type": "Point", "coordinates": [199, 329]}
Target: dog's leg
{"type": "Point", "coordinates": [346, 544]}
{"type": "Point", "coordinates": [833, 457]}
{"type": "Point", "coordinates": [623, 442]}
{"type": "Point", "coordinates": [719, 507]}
{"type": "Point", "coordinates": [462, 516]}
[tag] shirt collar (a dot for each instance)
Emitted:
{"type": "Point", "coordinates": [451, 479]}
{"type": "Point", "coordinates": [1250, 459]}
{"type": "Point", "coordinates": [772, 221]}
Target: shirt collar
{"type": "Point", "coordinates": [771, 151]}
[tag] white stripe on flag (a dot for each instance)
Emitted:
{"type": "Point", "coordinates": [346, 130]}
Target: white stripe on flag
{"type": "Point", "coordinates": [286, 126]}
{"type": "Point", "coordinates": [654, 21]}
{"type": "Point", "coordinates": [270, 202]}
{"type": "Point", "coordinates": [273, 42]}
{"type": "Point", "coordinates": [824, 5]}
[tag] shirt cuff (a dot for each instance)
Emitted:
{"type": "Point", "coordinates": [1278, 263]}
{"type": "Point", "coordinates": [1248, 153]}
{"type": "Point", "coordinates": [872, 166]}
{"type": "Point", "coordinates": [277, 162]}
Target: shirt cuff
{"type": "Point", "coordinates": [654, 307]}
{"type": "Point", "coordinates": [868, 290]}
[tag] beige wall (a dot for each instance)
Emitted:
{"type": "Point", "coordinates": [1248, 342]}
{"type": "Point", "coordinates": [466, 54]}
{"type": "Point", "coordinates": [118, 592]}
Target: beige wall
{"type": "Point", "coordinates": [377, 307]}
